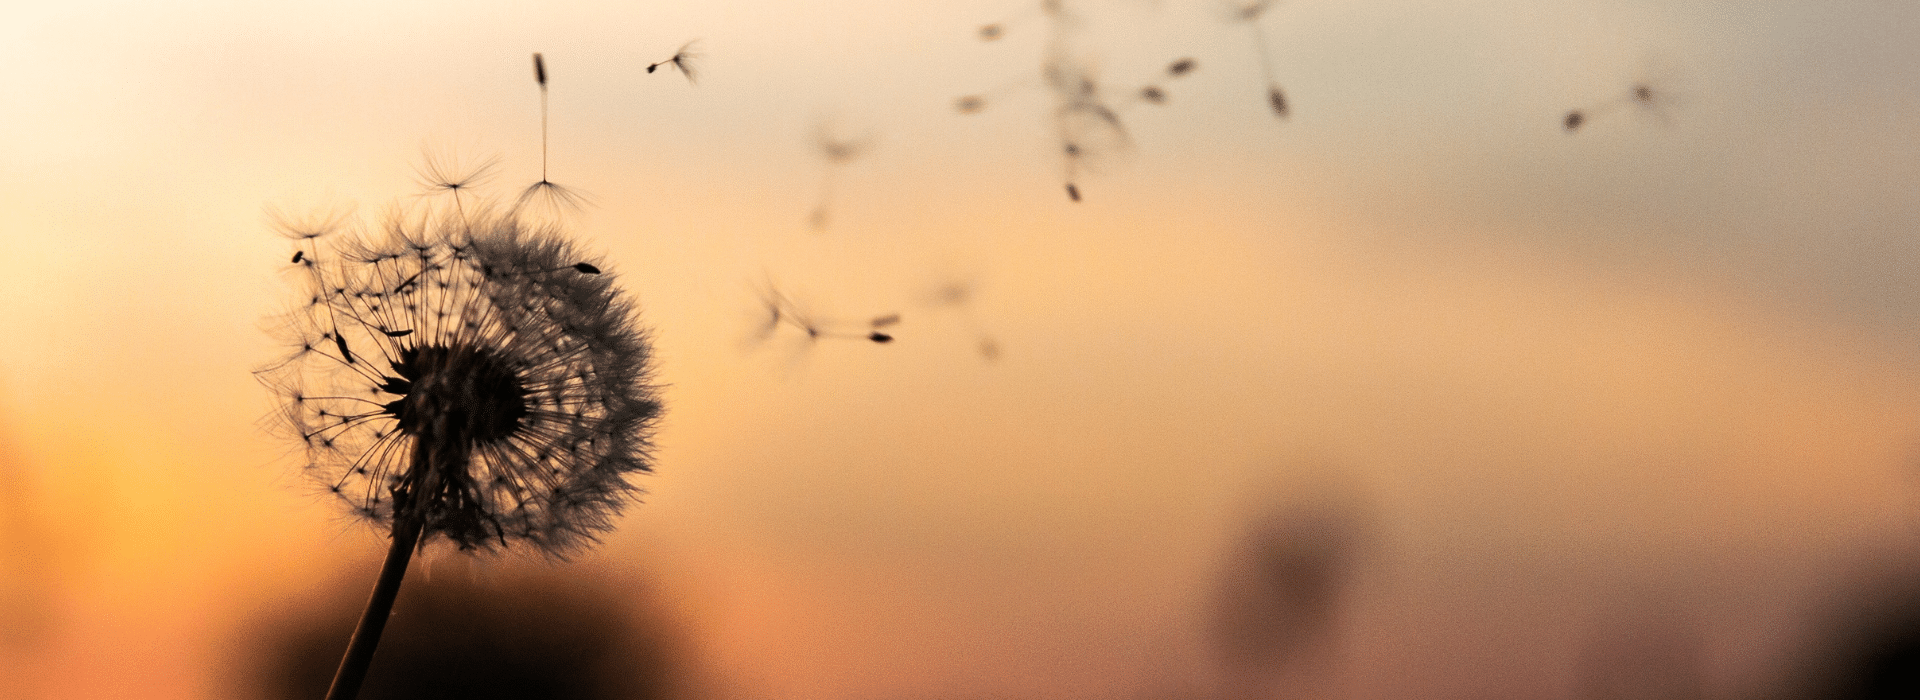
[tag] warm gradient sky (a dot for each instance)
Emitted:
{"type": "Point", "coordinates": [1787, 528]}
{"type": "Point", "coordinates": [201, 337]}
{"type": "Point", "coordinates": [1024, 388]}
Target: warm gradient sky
{"type": "Point", "coordinates": [1561, 380]}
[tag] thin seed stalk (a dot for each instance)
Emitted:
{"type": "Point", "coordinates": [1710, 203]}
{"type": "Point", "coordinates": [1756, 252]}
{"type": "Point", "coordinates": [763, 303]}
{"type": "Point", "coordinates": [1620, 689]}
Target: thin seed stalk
{"type": "Point", "coordinates": [407, 525]}
{"type": "Point", "coordinates": [353, 666]}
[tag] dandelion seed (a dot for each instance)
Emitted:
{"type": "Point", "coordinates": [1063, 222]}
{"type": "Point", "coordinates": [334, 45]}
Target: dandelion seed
{"type": "Point", "coordinates": [970, 104]}
{"type": "Point", "coordinates": [1181, 67]}
{"type": "Point", "coordinates": [837, 151]}
{"type": "Point", "coordinates": [1073, 192]}
{"type": "Point", "coordinates": [1642, 96]}
{"type": "Point", "coordinates": [586, 269]}
{"type": "Point", "coordinates": [684, 60]}
{"type": "Point", "coordinates": [1250, 14]}
{"type": "Point", "coordinates": [552, 199]}
{"type": "Point", "coordinates": [991, 32]}
{"type": "Point", "coordinates": [1153, 94]}
{"type": "Point", "coordinates": [299, 255]}
{"type": "Point", "coordinates": [988, 348]}
{"type": "Point", "coordinates": [779, 311]}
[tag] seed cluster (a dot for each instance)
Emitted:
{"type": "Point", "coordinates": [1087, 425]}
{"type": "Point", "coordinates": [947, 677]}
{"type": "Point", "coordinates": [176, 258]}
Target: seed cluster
{"type": "Point", "coordinates": [472, 373]}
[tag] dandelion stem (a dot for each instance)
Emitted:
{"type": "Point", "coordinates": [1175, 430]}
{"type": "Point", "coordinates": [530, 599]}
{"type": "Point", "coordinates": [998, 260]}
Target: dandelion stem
{"type": "Point", "coordinates": [353, 666]}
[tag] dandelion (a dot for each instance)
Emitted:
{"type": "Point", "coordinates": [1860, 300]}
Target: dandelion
{"type": "Point", "coordinates": [466, 379]}
{"type": "Point", "coordinates": [684, 61]}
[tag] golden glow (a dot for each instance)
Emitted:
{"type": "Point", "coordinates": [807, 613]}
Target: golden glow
{"type": "Point", "coordinates": [1666, 358]}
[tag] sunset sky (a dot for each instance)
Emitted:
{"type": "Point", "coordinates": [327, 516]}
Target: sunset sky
{"type": "Point", "coordinates": [1659, 373]}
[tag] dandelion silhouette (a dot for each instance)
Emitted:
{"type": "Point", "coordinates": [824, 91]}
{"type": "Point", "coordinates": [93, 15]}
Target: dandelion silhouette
{"type": "Point", "coordinates": [546, 196]}
{"type": "Point", "coordinates": [837, 151]}
{"type": "Point", "coordinates": [465, 378]}
{"type": "Point", "coordinates": [1250, 14]}
{"type": "Point", "coordinates": [684, 60]}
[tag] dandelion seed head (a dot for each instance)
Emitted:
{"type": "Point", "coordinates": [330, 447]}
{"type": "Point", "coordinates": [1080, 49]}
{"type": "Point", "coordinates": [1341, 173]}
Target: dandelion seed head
{"type": "Point", "coordinates": [495, 382]}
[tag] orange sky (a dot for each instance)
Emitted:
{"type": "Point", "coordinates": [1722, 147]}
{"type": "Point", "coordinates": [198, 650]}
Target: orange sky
{"type": "Point", "coordinates": [1664, 361]}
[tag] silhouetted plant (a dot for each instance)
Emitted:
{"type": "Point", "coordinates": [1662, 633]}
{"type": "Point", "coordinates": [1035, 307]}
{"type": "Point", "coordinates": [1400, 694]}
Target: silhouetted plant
{"type": "Point", "coordinates": [516, 635]}
{"type": "Point", "coordinates": [464, 376]}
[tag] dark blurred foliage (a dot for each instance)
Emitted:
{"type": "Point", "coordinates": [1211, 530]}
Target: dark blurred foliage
{"type": "Point", "coordinates": [1872, 649]}
{"type": "Point", "coordinates": [1648, 651]}
{"type": "Point", "coordinates": [552, 635]}
{"type": "Point", "coordinates": [1281, 589]}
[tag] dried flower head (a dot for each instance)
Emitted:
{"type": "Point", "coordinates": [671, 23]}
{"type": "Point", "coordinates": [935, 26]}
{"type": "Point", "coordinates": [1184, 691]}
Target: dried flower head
{"type": "Point", "coordinates": [472, 375]}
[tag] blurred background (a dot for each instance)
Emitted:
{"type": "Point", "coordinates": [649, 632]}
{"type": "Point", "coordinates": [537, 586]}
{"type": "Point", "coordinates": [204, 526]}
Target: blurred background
{"type": "Point", "coordinates": [1412, 391]}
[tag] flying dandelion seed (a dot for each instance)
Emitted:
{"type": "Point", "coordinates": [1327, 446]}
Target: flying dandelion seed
{"type": "Point", "coordinates": [684, 60]}
{"type": "Point", "coordinates": [837, 151]}
{"type": "Point", "coordinates": [778, 310]}
{"type": "Point", "coordinates": [957, 296]}
{"type": "Point", "coordinates": [1250, 14]}
{"type": "Point", "coordinates": [1088, 127]}
{"type": "Point", "coordinates": [992, 32]}
{"type": "Point", "coordinates": [1277, 100]}
{"type": "Point", "coordinates": [549, 198]}
{"type": "Point", "coordinates": [466, 379]}
{"type": "Point", "coordinates": [1645, 96]}
{"type": "Point", "coordinates": [1640, 96]}
{"type": "Point", "coordinates": [1181, 67]}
